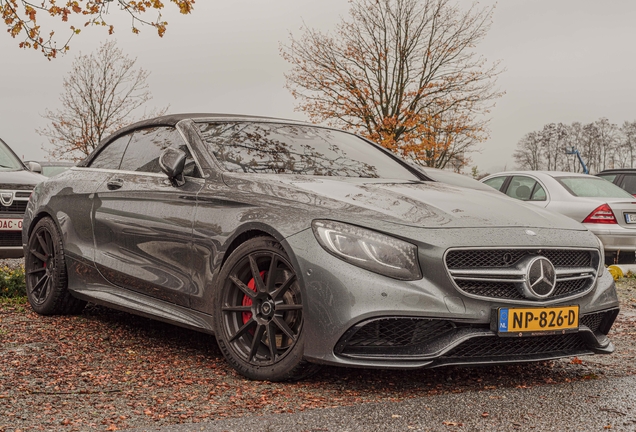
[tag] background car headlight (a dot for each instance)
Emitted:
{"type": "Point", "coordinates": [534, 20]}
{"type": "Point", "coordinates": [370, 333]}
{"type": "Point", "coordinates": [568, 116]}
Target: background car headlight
{"type": "Point", "coordinates": [368, 249]}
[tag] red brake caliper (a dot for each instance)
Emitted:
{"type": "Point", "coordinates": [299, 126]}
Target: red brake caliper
{"type": "Point", "coordinates": [248, 301]}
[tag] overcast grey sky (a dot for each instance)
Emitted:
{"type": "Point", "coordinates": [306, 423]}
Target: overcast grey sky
{"type": "Point", "coordinates": [565, 60]}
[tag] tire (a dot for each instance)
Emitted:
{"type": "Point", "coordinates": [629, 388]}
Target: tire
{"type": "Point", "coordinates": [259, 313]}
{"type": "Point", "coordinates": [45, 271]}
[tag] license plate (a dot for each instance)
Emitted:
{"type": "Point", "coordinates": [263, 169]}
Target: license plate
{"type": "Point", "coordinates": [630, 217]}
{"type": "Point", "coordinates": [10, 224]}
{"type": "Point", "coordinates": [532, 321]}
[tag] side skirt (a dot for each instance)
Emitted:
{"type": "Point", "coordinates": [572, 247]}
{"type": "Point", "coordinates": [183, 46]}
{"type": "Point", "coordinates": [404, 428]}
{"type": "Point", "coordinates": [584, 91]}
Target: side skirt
{"type": "Point", "coordinates": [85, 283]}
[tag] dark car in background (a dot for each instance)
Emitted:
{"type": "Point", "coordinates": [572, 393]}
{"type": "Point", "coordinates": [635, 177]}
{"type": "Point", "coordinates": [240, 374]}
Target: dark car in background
{"type": "Point", "coordinates": [624, 178]}
{"type": "Point", "coordinates": [16, 184]}
{"type": "Point", "coordinates": [299, 245]}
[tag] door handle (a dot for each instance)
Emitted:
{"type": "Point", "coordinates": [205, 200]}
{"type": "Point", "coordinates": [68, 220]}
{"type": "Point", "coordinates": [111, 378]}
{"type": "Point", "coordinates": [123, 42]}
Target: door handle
{"type": "Point", "coordinates": [115, 184]}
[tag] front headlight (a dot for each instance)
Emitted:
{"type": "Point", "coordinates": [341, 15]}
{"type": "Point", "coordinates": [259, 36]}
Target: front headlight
{"type": "Point", "coordinates": [368, 249]}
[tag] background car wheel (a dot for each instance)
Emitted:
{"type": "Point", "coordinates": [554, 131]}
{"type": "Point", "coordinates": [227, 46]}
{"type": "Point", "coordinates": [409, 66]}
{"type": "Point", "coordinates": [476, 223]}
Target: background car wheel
{"type": "Point", "coordinates": [259, 313]}
{"type": "Point", "coordinates": [45, 270]}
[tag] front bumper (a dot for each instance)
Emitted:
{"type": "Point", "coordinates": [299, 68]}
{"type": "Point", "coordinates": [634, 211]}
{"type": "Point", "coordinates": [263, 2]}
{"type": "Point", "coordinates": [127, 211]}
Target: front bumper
{"type": "Point", "coordinates": [341, 298]}
{"type": "Point", "coordinates": [11, 252]}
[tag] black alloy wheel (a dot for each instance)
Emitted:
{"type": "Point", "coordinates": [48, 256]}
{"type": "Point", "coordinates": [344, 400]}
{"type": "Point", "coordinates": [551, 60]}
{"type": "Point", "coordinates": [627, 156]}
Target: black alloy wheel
{"type": "Point", "coordinates": [45, 270]}
{"type": "Point", "coordinates": [260, 313]}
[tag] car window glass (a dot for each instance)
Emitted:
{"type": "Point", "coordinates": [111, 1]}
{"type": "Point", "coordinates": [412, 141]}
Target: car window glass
{"type": "Point", "coordinates": [608, 177]}
{"type": "Point", "coordinates": [629, 183]}
{"type": "Point", "coordinates": [592, 187]}
{"type": "Point", "coordinates": [145, 148]}
{"type": "Point", "coordinates": [538, 194]}
{"type": "Point", "coordinates": [110, 156]}
{"type": "Point", "coordinates": [8, 161]}
{"type": "Point", "coordinates": [271, 148]}
{"type": "Point", "coordinates": [50, 171]}
{"type": "Point", "coordinates": [495, 182]}
{"type": "Point", "coordinates": [520, 187]}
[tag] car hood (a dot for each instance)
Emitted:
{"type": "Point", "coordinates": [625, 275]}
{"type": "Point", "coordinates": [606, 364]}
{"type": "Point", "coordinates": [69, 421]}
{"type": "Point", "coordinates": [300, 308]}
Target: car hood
{"type": "Point", "coordinates": [21, 179]}
{"type": "Point", "coordinates": [417, 204]}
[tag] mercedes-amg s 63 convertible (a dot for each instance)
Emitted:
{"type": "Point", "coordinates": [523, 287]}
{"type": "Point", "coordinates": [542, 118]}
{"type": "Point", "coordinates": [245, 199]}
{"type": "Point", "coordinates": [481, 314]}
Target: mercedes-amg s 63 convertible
{"type": "Point", "coordinates": [298, 245]}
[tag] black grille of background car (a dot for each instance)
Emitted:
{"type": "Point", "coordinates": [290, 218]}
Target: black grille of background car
{"type": "Point", "coordinates": [10, 238]}
{"type": "Point", "coordinates": [15, 207]}
{"type": "Point", "coordinates": [495, 262]}
{"type": "Point", "coordinates": [489, 347]}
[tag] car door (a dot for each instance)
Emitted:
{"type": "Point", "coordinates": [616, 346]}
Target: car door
{"type": "Point", "coordinates": [143, 222]}
{"type": "Point", "coordinates": [527, 189]}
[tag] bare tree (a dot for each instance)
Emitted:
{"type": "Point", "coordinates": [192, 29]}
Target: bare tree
{"type": "Point", "coordinates": [101, 93]}
{"type": "Point", "coordinates": [627, 146]}
{"type": "Point", "coordinates": [528, 154]}
{"type": "Point", "coordinates": [607, 139]}
{"type": "Point", "coordinates": [573, 140]}
{"type": "Point", "coordinates": [402, 73]}
{"type": "Point", "coordinates": [22, 19]}
{"type": "Point", "coordinates": [552, 139]}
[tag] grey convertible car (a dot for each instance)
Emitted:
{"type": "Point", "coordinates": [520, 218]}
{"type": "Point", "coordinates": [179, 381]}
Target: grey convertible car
{"type": "Point", "coordinates": [299, 245]}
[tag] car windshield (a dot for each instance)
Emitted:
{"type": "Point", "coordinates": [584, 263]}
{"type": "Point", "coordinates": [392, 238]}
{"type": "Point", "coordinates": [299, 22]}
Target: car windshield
{"type": "Point", "coordinates": [272, 148]}
{"type": "Point", "coordinates": [592, 187]}
{"type": "Point", "coordinates": [8, 161]}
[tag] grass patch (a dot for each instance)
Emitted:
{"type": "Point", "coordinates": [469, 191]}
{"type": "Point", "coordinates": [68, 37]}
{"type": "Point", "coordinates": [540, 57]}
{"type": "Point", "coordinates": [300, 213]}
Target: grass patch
{"type": "Point", "coordinates": [13, 301]}
{"type": "Point", "coordinates": [12, 284]}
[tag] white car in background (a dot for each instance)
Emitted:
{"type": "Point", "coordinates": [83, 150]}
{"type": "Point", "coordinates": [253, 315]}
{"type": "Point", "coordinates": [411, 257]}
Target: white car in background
{"type": "Point", "coordinates": [604, 208]}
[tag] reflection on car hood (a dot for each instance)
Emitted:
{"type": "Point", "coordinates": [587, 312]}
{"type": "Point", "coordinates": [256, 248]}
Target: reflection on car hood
{"type": "Point", "coordinates": [420, 204]}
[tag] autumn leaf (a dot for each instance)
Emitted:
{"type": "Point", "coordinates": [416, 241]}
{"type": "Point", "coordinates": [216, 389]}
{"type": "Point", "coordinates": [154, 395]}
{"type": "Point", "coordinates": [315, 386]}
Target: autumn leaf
{"type": "Point", "coordinates": [20, 17]}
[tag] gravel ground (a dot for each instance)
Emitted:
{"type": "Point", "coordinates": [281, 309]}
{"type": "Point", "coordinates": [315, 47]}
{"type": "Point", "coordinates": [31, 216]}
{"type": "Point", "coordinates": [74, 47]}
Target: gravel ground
{"type": "Point", "coordinates": [11, 263]}
{"type": "Point", "coordinates": [108, 370]}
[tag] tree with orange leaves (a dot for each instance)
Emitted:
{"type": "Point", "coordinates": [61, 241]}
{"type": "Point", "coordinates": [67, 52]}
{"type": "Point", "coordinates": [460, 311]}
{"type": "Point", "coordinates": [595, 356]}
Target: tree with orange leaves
{"type": "Point", "coordinates": [402, 73]}
{"type": "Point", "coordinates": [22, 18]}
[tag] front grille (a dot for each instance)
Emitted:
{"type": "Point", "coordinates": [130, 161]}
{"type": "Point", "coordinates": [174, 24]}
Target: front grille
{"type": "Point", "coordinates": [10, 238]}
{"type": "Point", "coordinates": [500, 290]}
{"type": "Point", "coordinates": [489, 347]}
{"type": "Point", "coordinates": [500, 273]}
{"type": "Point", "coordinates": [18, 207]}
{"type": "Point", "coordinates": [475, 258]}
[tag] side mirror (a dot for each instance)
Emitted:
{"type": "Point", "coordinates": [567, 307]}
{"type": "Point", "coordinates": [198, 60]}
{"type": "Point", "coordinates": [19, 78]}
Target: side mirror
{"type": "Point", "coordinates": [35, 167]}
{"type": "Point", "coordinates": [172, 161]}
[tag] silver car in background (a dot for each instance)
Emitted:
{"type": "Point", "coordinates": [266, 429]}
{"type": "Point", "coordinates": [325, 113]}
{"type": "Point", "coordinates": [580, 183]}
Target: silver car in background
{"type": "Point", "coordinates": [604, 208]}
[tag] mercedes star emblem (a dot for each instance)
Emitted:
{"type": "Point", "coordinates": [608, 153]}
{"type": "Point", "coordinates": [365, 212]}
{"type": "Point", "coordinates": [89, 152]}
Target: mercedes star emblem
{"type": "Point", "coordinates": [540, 278]}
